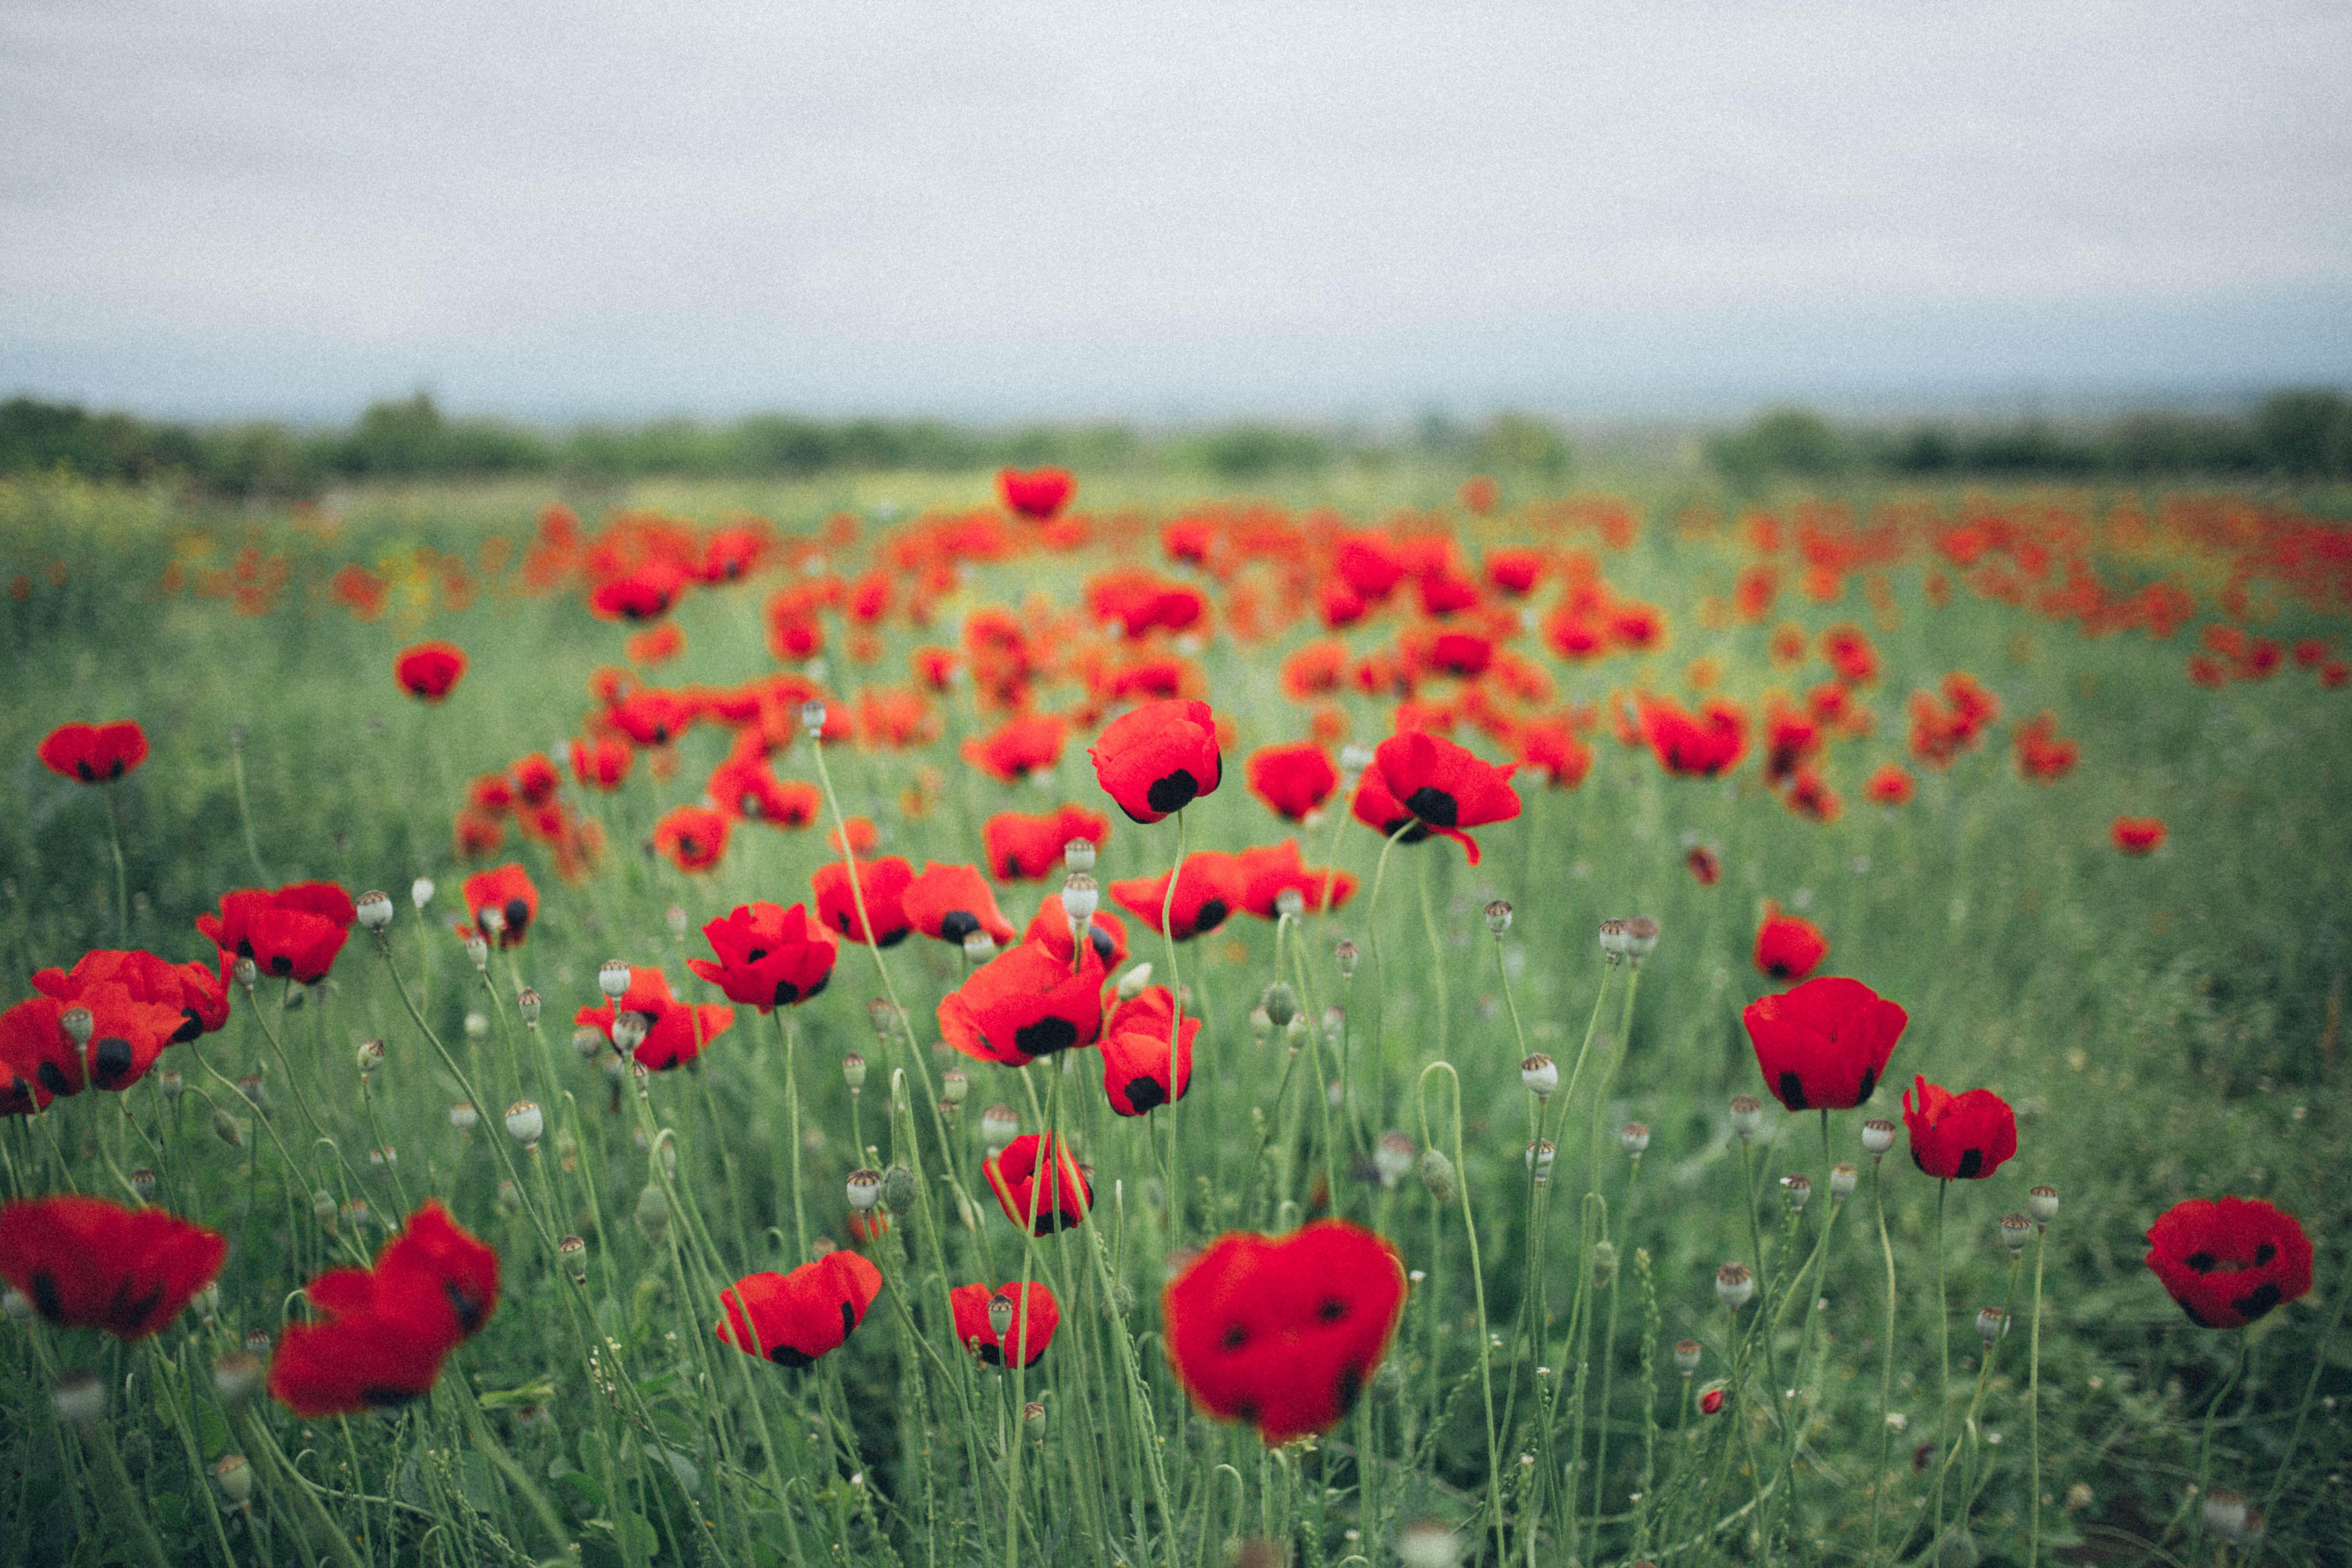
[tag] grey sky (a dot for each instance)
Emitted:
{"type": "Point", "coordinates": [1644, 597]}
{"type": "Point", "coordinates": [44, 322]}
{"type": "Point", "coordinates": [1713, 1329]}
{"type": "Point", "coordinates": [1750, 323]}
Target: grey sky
{"type": "Point", "coordinates": [1172, 209]}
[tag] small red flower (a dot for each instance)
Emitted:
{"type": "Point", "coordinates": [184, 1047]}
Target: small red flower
{"type": "Point", "coordinates": [769, 957]}
{"type": "Point", "coordinates": [1267, 873]}
{"type": "Point", "coordinates": [1788, 947]}
{"type": "Point", "coordinates": [950, 903]}
{"type": "Point", "coordinates": [1824, 1045]}
{"type": "Point", "coordinates": [744, 786]}
{"type": "Point", "coordinates": [536, 780]}
{"type": "Point", "coordinates": [1211, 889]}
{"type": "Point", "coordinates": [1891, 786]}
{"type": "Point", "coordinates": [94, 754]}
{"type": "Point", "coordinates": [793, 1319]}
{"type": "Point", "coordinates": [85, 1263]}
{"type": "Point", "coordinates": [1959, 1137]}
{"type": "Point", "coordinates": [1039, 493]}
{"type": "Point", "coordinates": [1058, 1194]}
{"type": "Point", "coordinates": [430, 670]}
{"type": "Point", "coordinates": [1514, 571]}
{"type": "Point", "coordinates": [295, 932]}
{"type": "Point", "coordinates": [2137, 835]}
{"type": "Point", "coordinates": [507, 890]}
{"type": "Point", "coordinates": [1445, 786]}
{"type": "Point", "coordinates": [1032, 1329]}
{"type": "Point", "coordinates": [1027, 1001]}
{"type": "Point", "coordinates": [881, 883]}
{"type": "Point", "coordinates": [1705, 865]}
{"type": "Point", "coordinates": [600, 762]}
{"type": "Point", "coordinates": [2229, 1263]}
{"type": "Point", "coordinates": [693, 837]}
{"type": "Point", "coordinates": [389, 1328]}
{"type": "Point", "coordinates": [1711, 1402]}
{"type": "Point", "coordinates": [676, 1033]}
{"type": "Point", "coordinates": [642, 593]}
{"type": "Point", "coordinates": [1106, 934]}
{"type": "Point", "coordinates": [1292, 779]}
{"type": "Point", "coordinates": [1705, 746]}
{"type": "Point", "coordinates": [1135, 1054]}
{"type": "Point", "coordinates": [37, 1061]}
{"type": "Point", "coordinates": [1021, 746]}
{"type": "Point", "coordinates": [195, 988]}
{"type": "Point", "coordinates": [1023, 847]}
{"type": "Point", "coordinates": [1284, 1334]}
{"type": "Point", "coordinates": [1159, 758]}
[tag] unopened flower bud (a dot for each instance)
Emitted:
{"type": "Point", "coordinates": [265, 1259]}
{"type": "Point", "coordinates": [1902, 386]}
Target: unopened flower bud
{"type": "Point", "coordinates": [1991, 1323]}
{"type": "Point", "coordinates": [900, 1190]}
{"type": "Point", "coordinates": [355, 1214]}
{"type": "Point", "coordinates": [2041, 1203]}
{"type": "Point", "coordinates": [323, 1210]}
{"type": "Point", "coordinates": [1437, 1175]}
{"type": "Point", "coordinates": [477, 1025]}
{"type": "Point", "coordinates": [81, 1398]}
{"type": "Point", "coordinates": [1796, 1191]}
{"type": "Point", "coordinates": [1261, 1027]}
{"type": "Point", "coordinates": [225, 1128]}
{"type": "Point", "coordinates": [979, 947]}
{"type": "Point", "coordinates": [17, 1304]}
{"type": "Point", "coordinates": [2014, 1229]}
{"type": "Point", "coordinates": [1686, 1356]}
{"type": "Point", "coordinates": [524, 1123]}
{"type": "Point", "coordinates": [1080, 898]}
{"type": "Point", "coordinates": [527, 1006]}
{"type": "Point", "coordinates": [1131, 984]}
{"type": "Point", "coordinates": [853, 1072]}
{"type": "Point", "coordinates": [234, 1478]}
{"type": "Point", "coordinates": [1641, 938]}
{"type": "Point", "coordinates": [629, 1031]}
{"type": "Point", "coordinates": [1032, 1416]}
{"type": "Point", "coordinates": [865, 1189]}
{"type": "Point", "coordinates": [1605, 1261]}
{"type": "Point", "coordinates": [1347, 954]}
{"type": "Point", "coordinates": [1635, 1136]}
{"type": "Point", "coordinates": [237, 1376]}
{"type": "Point", "coordinates": [171, 1084]}
{"type": "Point", "coordinates": [370, 1055]}
{"type": "Point", "coordinates": [1000, 1314]}
{"type": "Point", "coordinates": [998, 1127]}
{"type": "Point", "coordinates": [1078, 855]}
{"type": "Point", "coordinates": [509, 1198]}
{"type": "Point", "coordinates": [1499, 916]}
{"type": "Point", "coordinates": [1427, 1544]}
{"type": "Point", "coordinates": [1540, 1160]}
{"type": "Point", "coordinates": [1281, 1004]}
{"type": "Point", "coordinates": [245, 972]}
{"type": "Point", "coordinates": [464, 1117]}
{"type": "Point", "coordinates": [1877, 1136]}
{"type": "Point", "coordinates": [420, 892]}
{"type": "Point", "coordinates": [2225, 1512]}
{"type": "Point", "coordinates": [382, 1162]}
{"type": "Point", "coordinates": [1734, 1285]}
{"type": "Point", "coordinates": [652, 1214]}
{"type": "Point", "coordinates": [574, 1253]}
{"type": "Point", "coordinates": [954, 1084]}
{"type": "Point", "coordinates": [1844, 1178]}
{"type": "Point", "coordinates": [1747, 1116]}
{"type": "Point", "coordinates": [1615, 943]}
{"type": "Point", "coordinates": [477, 951]}
{"type": "Point", "coordinates": [613, 978]}
{"type": "Point", "coordinates": [1393, 1158]}
{"type": "Point", "coordinates": [142, 1181]}
{"type": "Point", "coordinates": [375, 909]}
{"type": "Point", "coordinates": [1541, 1076]}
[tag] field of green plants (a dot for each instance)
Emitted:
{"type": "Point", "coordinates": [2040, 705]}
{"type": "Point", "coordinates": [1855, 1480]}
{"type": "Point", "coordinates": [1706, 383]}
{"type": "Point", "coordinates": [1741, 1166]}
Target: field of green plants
{"type": "Point", "coordinates": [1905, 722]}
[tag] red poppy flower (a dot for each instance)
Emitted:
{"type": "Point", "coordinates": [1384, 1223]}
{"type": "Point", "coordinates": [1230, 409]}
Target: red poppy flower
{"type": "Point", "coordinates": [1824, 1045]}
{"type": "Point", "coordinates": [600, 762]}
{"type": "Point", "coordinates": [507, 890]}
{"type": "Point", "coordinates": [693, 837]}
{"type": "Point", "coordinates": [1139, 602]}
{"type": "Point", "coordinates": [1035, 1315]}
{"type": "Point", "coordinates": [85, 1263]}
{"type": "Point", "coordinates": [1315, 670]}
{"type": "Point", "coordinates": [769, 957]}
{"type": "Point", "coordinates": [2137, 835]}
{"type": "Point", "coordinates": [94, 754]}
{"type": "Point", "coordinates": [1019, 746]}
{"type": "Point", "coordinates": [676, 1033]}
{"type": "Point", "coordinates": [1891, 786]}
{"type": "Point", "coordinates": [1106, 934]}
{"type": "Point", "coordinates": [2044, 756]}
{"type": "Point", "coordinates": [1211, 889]}
{"type": "Point", "coordinates": [857, 835]}
{"type": "Point", "coordinates": [651, 716]}
{"type": "Point", "coordinates": [1025, 1002]}
{"type": "Point", "coordinates": [1705, 865]}
{"type": "Point", "coordinates": [195, 988]}
{"type": "Point", "coordinates": [1267, 872]}
{"type": "Point", "coordinates": [37, 1060]}
{"type": "Point", "coordinates": [127, 1031]}
{"type": "Point", "coordinates": [1959, 1137]}
{"type": "Point", "coordinates": [492, 795]}
{"type": "Point", "coordinates": [1039, 493]}
{"type": "Point", "coordinates": [1023, 847]}
{"type": "Point", "coordinates": [1787, 947]}
{"type": "Point", "coordinates": [793, 1319]}
{"type": "Point", "coordinates": [1514, 572]}
{"type": "Point", "coordinates": [389, 1328]}
{"type": "Point", "coordinates": [1382, 811]}
{"type": "Point", "coordinates": [1159, 758]}
{"type": "Point", "coordinates": [742, 786]}
{"type": "Point", "coordinates": [1848, 648]}
{"type": "Point", "coordinates": [640, 594]}
{"type": "Point", "coordinates": [430, 670]}
{"type": "Point", "coordinates": [295, 932]}
{"type": "Point", "coordinates": [1135, 1076]}
{"type": "Point", "coordinates": [1058, 1194]}
{"type": "Point", "coordinates": [2229, 1263]}
{"type": "Point", "coordinates": [1284, 1334]}
{"type": "Point", "coordinates": [536, 780]}
{"type": "Point", "coordinates": [1444, 786]}
{"type": "Point", "coordinates": [1550, 747]}
{"type": "Point", "coordinates": [950, 903]}
{"type": "Point", "coordinates": [881, 883]}
{"type": "Point", "coordinates": [1705, 746]}
{"type": "Point", "coordinates": [1711, 1402]}
{"type": "Point", "coordinates": [731, 554]}
{"type": "Point", "coordinates": [1292, 779]}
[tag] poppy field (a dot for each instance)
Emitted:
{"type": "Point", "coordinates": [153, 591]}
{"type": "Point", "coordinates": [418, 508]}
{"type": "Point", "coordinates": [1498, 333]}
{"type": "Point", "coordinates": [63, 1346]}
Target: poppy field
{"type": "Point", "coordinates": [1026, 1019]}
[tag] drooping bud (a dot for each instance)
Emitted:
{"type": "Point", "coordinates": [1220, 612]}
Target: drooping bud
{"type": "Point", "coordinates": [234, 1478]}
{"type": "Point", "coordinates": [1131, 984]}
{"type": "Point", "coordinates": [524, 1123]}
{"type": "Point", "coordinates": [464, 1117]}
{"type": "Point", "coordinates": [142, 1181]}
{"type": "Point", "coordinates": [1747, 1116]}
{"type": "Point", "coordinates": [865, 1189]}
{"type": "Point", "coordinates": [1734, 1285]}
{"type": "Point", "coordinates": [853, 1072]}
{"type": "Point", "coordinates": [527, 1006]}
{"type": "Point", "coordinates": [653, 1216]}
{"type": "Point", "coordinates": [573, 1254]}
{"type": "Point", "coordinates": [237, 1376]}
{"type": "Point", "coordinates": [1080, 898]}
{"type": "Point", "coordinates": [2041, 1203]}
{"type": "Point", "coordinates": [1635, 1136]}
{"type": "Point", "coordinates": [1393, 1158]}
{"type": "Point", "coordinates": [1032, 1417]}
{"type": "Point", "coordinates": [225, 1128]}
{"type": "Point", "coordinates": [1641, 938]}
{"type": "Point", "coordinates": [1499, 916]}
{"type": "Point", "coordinates": [371, 1055]}
{"type": "Point", "coordinates": [1437, 1175]}
{"type": "Point", "coordinates": [1877, 1136]}
{"type": "Point", "coordinates": [1078, 855]}
{"type": "Point", "coordinates": [1280, 1004]}
{"type": "Point", "coordinates": [1686, 1356]}
{"type": "Point", "coordinates": [1991, 1323]}
{"type": "Point", "coordinates": [613, 978]}
{"type": "Point", "coordinates": [1541, 1075]}
{"type": "Point", "coordinates": [998, 1127]}
{"type": "Point", "coordinates": [1604, 1262]}
{"type": "Point", "coordinates": [1844, 1179]}
{"type": "Point", "coordinates": [1796, 1191]}
{"type": "Point", "coordinates": [900, 1190]}
{"type": "Point", "coordinates": [1615, 942]}
{"type": "Point", "coordinates": [2014, 1229]}
{"type": "Point", "coordinates": [1347, 954]}
{"type": "Point", "coordinates": [375, 909]}
{"type": "Point", "coordinates": [1000, 1314]}
{"type": "Point", "coordinates": [323, 1210]}
{"type": "Point", "coordinates": [954, 1084]}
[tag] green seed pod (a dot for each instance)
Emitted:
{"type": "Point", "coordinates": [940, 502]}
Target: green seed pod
{"type": "Point", "coordinates": [1437, 1175]}
{"type": "Point", "coordinates": [900, 1190]}
{"type": "Point", "coordinates": [653, 1216]}
{"type": "Point", "coordinates": [1281, 1004]}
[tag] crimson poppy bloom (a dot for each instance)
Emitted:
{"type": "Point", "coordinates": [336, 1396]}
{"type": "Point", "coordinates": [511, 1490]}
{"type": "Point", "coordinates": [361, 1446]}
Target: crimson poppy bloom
{"type": "Point", "coordinates": [601, 762]}
{"type": "Point", "coordinates": [37, 1060]}
{"type": "Point", "coordinates": [1514, 572]}
{"type": "Point", "coordinates": [388, 1328]}
{"type": "Point", "coordinates": [642, 593]}
{"type": "Point", "coordinates": [1019, 746]}
{"type": "Point", "coordinates": [1035, 1315]}
{"type": "Point", "coordinates": [1136, 1074]}
{"type": "Point", "coordinates": [430, 670]}
{"type": "Point", "coordinates": [295, 932]}
{"type": "Point", "coordinates": [195, 988]}
{"type": "Point", "coordinates": [1705, 865]}
{"type": "Point", "coordinates": [1292, 779]}
{"type": "Point", "coordinates": [1268, 873]}
{"type": "Point", "coordinates": [1707, 745]}
{"type": "Point", "coordinates": [1444, 786]}
{"type": "Point", "coordinates": [1380, 811]}
{"type": "Point", "coordinates": [1106, 934]}
{"type": "Point", "coordinates": [651, 716]}
{"type": "Point", "coordinates": [536, 780]}
{"type": "Point", "coordinates": [1890, 785]}
{"type": "Point", "coordinates": [1025, 1002]}
{"type": "Point", "coordinates": [769, 957]}
{"type": "Point", "coordinates": [507, 890]}
{"type": "Point", "coordinates": [881, 883]}
{"type": "Point", "coordinates": [676, 1033]}
{"type": "Point", "coordinates": [2137, 835]}
{"type": "Point", "coordinates": [1549, 746]}
{"type": "Point", "coordinates": [1959, 1137]}
{"type": "Point", "coordinates": [1159, 758]}
{"type": "Point", "coordinates": [693, 837]}
{"type": "Point", "coordinates": [1039, 493]}
{"type": "Point", "coordinates": [1824, 1045]}
{"type": "Point", "coordinates": [1789, 947]}
{"type": "Point", "coordinates": [1212, 888]}
{"type": "Point", "coordinates": [744, 787]}
{"type": "Point", "coordinates": [1711, 1402]}
{"type": "Point", "coordinates": [128, 1032]}
{"type": "Point", "coordinates": [1022, 848]}
{"type": "Point", "coordinates": [2229, 1263]}
{"type": "Point", "coordinates": [85, 1263]}
{"type": "Point", "coordinates": [1284, 1334]}
{"type": "Point", "coordinates": [1058, 1192]}
{"type": "Point", "coordinates": [94, 754]}
{"type": "Point", "coordinates": [950, 903]}
{"type": "Point", "coordinates": [793, 1319]}
{"type": "Point", "coordinates": [1314, 669]}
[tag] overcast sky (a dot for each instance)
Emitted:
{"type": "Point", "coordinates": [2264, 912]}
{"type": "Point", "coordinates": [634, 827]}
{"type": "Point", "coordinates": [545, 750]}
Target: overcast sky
{"type": "Point", "coordinates": [1178, 209]}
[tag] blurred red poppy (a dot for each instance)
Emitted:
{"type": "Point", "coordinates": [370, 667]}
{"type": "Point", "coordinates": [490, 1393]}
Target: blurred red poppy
{"type": "Point", "coordinates": [693, 837]}
{"type": "Point", "coordinates": [1788, 947]}
{"type": "Point", "coordinates": [1034, 1317]}
{"type": "Point", "coordinates": [769, 956]}
{"type": "Point", "coordinates": [430, 670]}
{"type": "Point", "coordinates": [85, 1263]}
{"type": "Point", "coordinates": [2137, 835]}
{"type": "Point", "coordinates": [1040, 1177]}
{"type": "Point", "coordinates": [1824, 1045]}
{"type": "Point", "coordinates": [295, 932]}
{"type": "Point", "coordinates": [641, 594]}
{"type": "Point", "coordinates": [600, 762]}
{"type": "Point", "coordinates": [1159, 758]}
{"type": "Point", "coordinates": [1023, 847]}
{"type": "Point", "coordinates": [507, 890]}
{"type": "Point", "coordinates": [1211, 889]}
{"type": "Point", "coordinates": [950, 903]}
{"type": "Point", "coordinates": [1025, 1002]}
{"type": "Point", "coordinates": [1706, 867]}
{"type": "Point", "coordinates": [1890, 785]}
{"type": "Point", "coordinates": [1136, 1075]}
{"type": "Point", "coordinates": [1038, 493]}
{"type": "Point", "coordinates": [744, 787]}
{"type": "Point", "coordinates": [389, 1328]}
{"type": "Point", "coordinates": [195, 988]}
{"type": "Point", "coordinates": [1444, 786]}
{"type": "Point", "coordinates": [1705, 746]}
{"type": "Point", "coordinates": [2229, 1263]}
{"type": "Point", "coordinates": [675, 1032]}
{"type": "Point", "coordinates": [793, 1318]}
{"type": "Point", "coordinates": [882, 884]}
{"type": "Point", "coordinates": [1019, 747]}
{"type": "Point", "coordinates": [1292, 779]}
{"type": "Point", "coordinates": [1959, 1137]}
{"type": "Point", "coordinates": [1268, 873]}
{"type": "Point", "coordinates": [94, 754]}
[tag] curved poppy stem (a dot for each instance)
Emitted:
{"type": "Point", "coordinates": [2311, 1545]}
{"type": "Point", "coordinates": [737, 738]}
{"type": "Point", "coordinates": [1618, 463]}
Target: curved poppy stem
{"type": "Point", "coordinates": [1175, 1032]}
{"type": "Point", "coordinates": [2033, 1403]}
{"type": "Point", "coordinates": [1052, 1150]}
{"type": "Point", "coordinates": [245, 812]}
{"type": "Point", "coordinates": [1478, 1283]}
{"type": "Point", "coordinates": [1886, 1360]}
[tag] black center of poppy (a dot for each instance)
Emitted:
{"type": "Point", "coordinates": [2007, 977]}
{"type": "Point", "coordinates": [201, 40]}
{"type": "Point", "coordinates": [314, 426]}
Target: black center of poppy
{"type": "Point", "coordinates": [848, 1319]}
{"type": "Point", "coordinates": [378, 1396]}
{"type": "Point", "coordinates": [128, 1314]}
{"type": "Point", "coordinates": [469, 1311]}
{"type": "Point", "coordinates": [756, 954]}
{"type": "Point", "coordinates": [1212, 915]}
{"type": "Point", "coordinates": [46, 1300]}
{"type": "Point", "coordinates": [1331, 1309]}
{"type": "Point", "coordinates": [956, 925]}
{"type": "Point", "coordinates": [53, 1078]}
{"type": "Point", "coordinates": [1046, 1037]}
{"type": "Point", "coordinates": [1971, 1161]}
{"type": "Point", "coordinates": [113, 1058]}
{"type": "Point", "coordinates": [518, 915]}
{"type": "Point", "coordinates": [1234, 1338]}
{"type": "Point", "coordinates": [787, 993]}
{"type": "Point", "coordinates": [1145, 1094]}
{"type": "Point", "coordinates": [1350, 1387]}
{"type": "Point", "coordinates": [990, 1355]}
{"type": "Point", "coordinates": [2203, 1262]}
{"type": "Point", "coordinates": [1869, 1083]}
{"type": "Point", "coordinates": [2263, 1254]}
{"type": "Point", "coordinates": [87, 775]}
{"type": "Point", "coordinates": [279, 963]}
{"type": "Point", "coordinates": [192, 1023]}
{"type": "Point", "coordinates": [1431, 803]}
{"type": "Point", "coordinates": [1172, 792]}
{"type": "Point", "coordinates": [2257, 1301]}
{"type": "Point", "coordinates": [784, 1355]}
{"type": "Point", "coordinates": [1792, 1091]}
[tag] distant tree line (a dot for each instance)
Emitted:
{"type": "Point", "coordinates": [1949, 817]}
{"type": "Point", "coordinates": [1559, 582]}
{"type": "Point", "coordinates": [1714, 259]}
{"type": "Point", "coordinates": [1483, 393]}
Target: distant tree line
{"type": "Point", "coordinates": [2303, 434]}
{"type": "Point", "coordinates": [412, 438]}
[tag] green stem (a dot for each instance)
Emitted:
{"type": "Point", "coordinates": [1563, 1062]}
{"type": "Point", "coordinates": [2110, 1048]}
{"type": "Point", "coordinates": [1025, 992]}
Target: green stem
{"type": "Point", "coordinates": [1887, 1362]}
{"type": "Point", "coordinates": [121, 878]}
{"type": "Point", "coordinates": [2205, 1452]}
{"type": "Point", "coordinates": [2034, 1399]}
{"type": "Point", "coordinates": [123, 1500]}
{"type": "Point", "coordinates": [1478, 1282]}
{"type": "Point", "coordinates": [1944, 1352]}
{"type": "Point", "coordinates": [1176, 1204]}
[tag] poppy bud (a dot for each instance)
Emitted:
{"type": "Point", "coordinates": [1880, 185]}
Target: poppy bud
{"type": "Point", "coordinates": [1711, 1402]}
{"type": "Point", "coordinates": [1614, 940]}
{"type": "Point", "coordinates": [17, 1304]}
{"type": "Point", "coordinates": [1347, 955]}
{"type": "Point", "coordinates": [257, 1342]}
{"type": "Point", "coordinates": [954, 1084]}
{"type": "Point", "coordinates": [589, 1041]}
{"type": "Point", "coordinates": [1734, 1285]}
{"type": "Point", "coordinates": [171, 1084]}
{"type": "Point", "coordinates": [1437, 1175]}
{"type": "Point", "coordinates": [234, 1478]}
{"type": "Point", "coordinates": [1747, 1116]}
{"type": "Point", "coordinates": [369, 1055]}
{"type": "Point", "coordinates": [464, 1117]}
{"type": "Point", "coordinates": [998, 1127]}
{"type": "Point", "coordinates": [1426, 1544]}
{"type": "Point", "coordinates": [1540, 1159]}
{"type": "Point", "coordinates": [1000, 1314]}
{"type": "Point", "coordinates": [2041, 1203]}
{"type": "Point", "coordinates": [207, 1303]}
{"type": "Point", "coordinates": [865, 1189]}
{"type": "Point", "coordinates": [1499, 916]}
{"type": "Point", "coordinates": [1641, 938]}
{"type": "Point", "coordinates": [225, 1128]}
{"type": "Point", "coordinates": [1078, 855]}
{"type": "Point", "coordinates": [1131, 984]}
{"type": "Point", "coordinates": [979, 947]}
{"type": "Point", "coordinates": [1877, 1136]}
{"type": "Point", "coordinates": [237, 1377]}
{"type": "Point", "coordinates": [1796, 1191]}
{"type": "Point", "coordinates": [1541, 1075]}
{"type": "Point", "coordinates": [1080, 898]}
{"type": "Point", "coordinates": [1290, 903]}
{"type": "Point", "coordinates": [524, 1123]}
{"type": "Point", "coordinates": [2225, 1512]}
{"type": "Point", "coordinates": [255, 1092]}
{"type": "Point", "coordinates": [508, 1199]}
{"type": "Point", "coordinates": [323, 1210]}
{"type": "Point", "coordinates": [81, 1398]}
{"type": "Point", "coordinates": [613, 978]}
{"type": "Point", "coordinates": [1991, 1323]}
{"type": "Point", "coordinates": [420, 892]}
{"type": "Point", "coordinates": [477, 951]}
{"type": "Point", "coordinates": [1032, 1416]}
{"type": "Point", "coordinates": [653, 1216]}
{"type": "Point", "coordinates": [574, 1254]}
{"type": "Point", "coordinates": [900, 1190]}
{"type": "Point", "coordinates": [1635, 1136]}
{"type": "Point", "coordinates": [1354, 759]}
{"type": "Point", "coordinates": [2014, 1230]}
{"type": "Point", "coordinates": [1280, 1004]}
{"type": "Point", "coordinates": [1393, 1157]}
{"type": "Point", "coordinates": [629, 1031]}
{"type": "Point", "coordinates": [1686, 1356]}
{"type": "Point", "coordinates": [853, 1072]}
{"type": "Point", "coordinates": [375, 909]}
{"type": "Point", "coordinates": [1844, 1178]}
{"type": "Point", "coordinates": [478, 1024]}
{"type": "Point", "coordinates": [246, 972]}
{"type": "Point", "coordinates": [527, 1004]}
{"type": "Point", "coordinates": [813, 718]}
{"type": "Point", "coordinates": [1261, 1027]}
